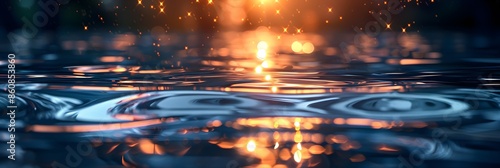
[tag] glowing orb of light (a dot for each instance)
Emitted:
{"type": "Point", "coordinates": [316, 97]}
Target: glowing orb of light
{"type": "Point", "coordinates": [261, 54]}
{"type": "Point", "coordinates": [258, 69]}
{"type": "Point", "coordinates": [251, 146]}
{"type": "Point", "coordinates": [262, 45]}
{"type": "Point", "coordinates": [296, 46]}
{"type": "Point", "coordinates": [308, 48]}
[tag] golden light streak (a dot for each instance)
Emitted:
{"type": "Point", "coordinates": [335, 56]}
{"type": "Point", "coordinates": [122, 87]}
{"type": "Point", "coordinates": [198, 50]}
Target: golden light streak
{"type": "Point", "coordinates": [316, 149]}
{"type": "Point", "coordinates": [357, 158]}
{"type": "Point", "coordinates": [297, 124]}
{"type": "Point", "coordinates": [298, 137]}
{"type": "Point", "coordinates": [387, 149]}
{"type": "Point", "coordinates": [284, 154]}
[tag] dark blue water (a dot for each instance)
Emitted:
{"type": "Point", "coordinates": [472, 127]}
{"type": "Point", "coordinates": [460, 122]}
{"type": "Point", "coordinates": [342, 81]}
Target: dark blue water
{"type": "Point", "coordinates": [202, 107]}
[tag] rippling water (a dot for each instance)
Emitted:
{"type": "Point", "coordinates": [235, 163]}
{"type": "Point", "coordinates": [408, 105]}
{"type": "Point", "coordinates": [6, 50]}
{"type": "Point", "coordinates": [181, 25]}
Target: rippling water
{"type": "Point", "coordinates": [218, 111]}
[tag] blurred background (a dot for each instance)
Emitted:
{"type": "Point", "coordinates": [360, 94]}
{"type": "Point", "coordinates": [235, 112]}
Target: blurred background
{"type": "Point", "coordinates": [152, 30]}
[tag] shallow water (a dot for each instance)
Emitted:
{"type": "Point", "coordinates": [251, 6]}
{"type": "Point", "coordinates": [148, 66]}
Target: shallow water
{"type": "Point", "coordinates": [206, 111]}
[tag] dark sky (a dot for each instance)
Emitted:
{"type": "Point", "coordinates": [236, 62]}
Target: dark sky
{"type": "Point", "coordinates": [310, 15]}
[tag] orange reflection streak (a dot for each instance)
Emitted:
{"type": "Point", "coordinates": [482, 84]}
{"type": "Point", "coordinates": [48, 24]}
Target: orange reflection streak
{"type": "Point", "coordinates": [387, 149]}
{"type": "Point", "coordinates": [359, 121]}
{"type": "Point", "coordinates": [91, 128]}
{"type": "Point", "coordinates": [111, 59]}
{"type": "Point", "coordinates": [357, 158]}
{"type": "Point", "coordinates": [148, 147]}
{"type": "Point", "coordinates": [418, 61]}
{"type": "Point", "coordinates": [316, 149]}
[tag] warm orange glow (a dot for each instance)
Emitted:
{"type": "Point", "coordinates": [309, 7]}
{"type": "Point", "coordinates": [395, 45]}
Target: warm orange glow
{"type": "Point", "coordinates": [316, 149]}
{"type": "Point", "coordinates": [226, 145]}
{"type": "Point", "coordinates": [359, 121]}
{"type": "Point", "coordinates": [216, 123]}
{"type": "Point", "coordinates": [357, 158]}
{"type": "Point", "coordinates": [112, 59]}
{"type": "Point", "coordinates": [299, 30]}
{"type": "Point", "coordinates": [339, 139]}
{"type": "Point", "coordinates": [285, 154]}
{"type": "Point", "coordinates": [418, 61]}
